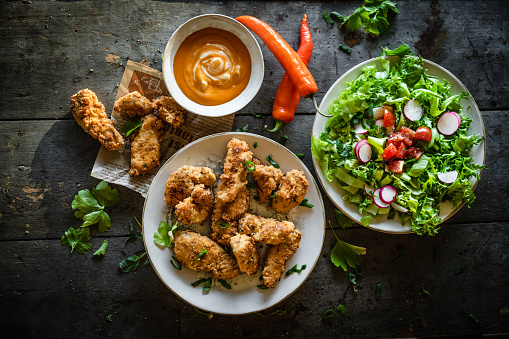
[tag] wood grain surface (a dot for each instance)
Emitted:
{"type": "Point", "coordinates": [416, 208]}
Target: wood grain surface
{"type": "Point", "coordinates": [52, 49]}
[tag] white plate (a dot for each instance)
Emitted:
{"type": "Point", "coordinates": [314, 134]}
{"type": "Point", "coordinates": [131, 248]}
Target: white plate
{"type": "Point", "coordinates": [335, 193]}
{"type": "Point", "coordinates": [244, 297]}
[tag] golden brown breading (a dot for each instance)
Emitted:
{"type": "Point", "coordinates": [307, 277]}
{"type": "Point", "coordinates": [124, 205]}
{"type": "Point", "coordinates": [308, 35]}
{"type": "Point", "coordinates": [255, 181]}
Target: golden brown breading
{"type": "Point", "coordinates": [169, 110]}
{"type": "Point", "coordinates": [222, 230]}
{"type": "Point", "coordinates": [235, 172]}
{"type": "Point", "coordinates": [91, 116]}
{"type": "Point", "coordinates": [146, 146]}
{"type": "Point", "coordinates": [133, 104]}
{"type": "Point", "coordinates": [277, 255]}
{"type": "Point", "coordinates": [290, 193]}
{"type": "Point", "coordinates": [181, 182]}
{"type": "Point", "coordinates": [266, 230]}
{"type": "Point", "coordinates": [234, 210]}
{"type": "Point", "coordinates": [188, 245]}
{"type": "Point", "coordinates": [197, 207]}
{"type": "Point", "coordinates": [267, 178]}
{"type": "Point", "coordinates": [246, 253]}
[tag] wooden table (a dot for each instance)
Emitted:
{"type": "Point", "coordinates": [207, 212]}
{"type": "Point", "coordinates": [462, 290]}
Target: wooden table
{"type": "Point", "coordinates": [52, 49]}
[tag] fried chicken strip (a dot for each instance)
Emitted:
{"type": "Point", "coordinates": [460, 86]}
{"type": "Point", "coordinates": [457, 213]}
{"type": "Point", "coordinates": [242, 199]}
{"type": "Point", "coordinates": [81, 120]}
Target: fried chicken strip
{"type": "Point", "coordinates": [180, 184]}
{"type": "Point", "coordinates": [266, 230]}
{"type": "Point", "coordinates": [235, 172]}
{"type": "Point", "coordinates": [234, 210]}
{"type": "Point", "coordinates": [277, 255]}
{"type": "Point", "coordinates": [197, 207]}
{"type": "Point", "coordinates": [246, 253]}
{"type": "Point", "coordinates": [146, 146]}
{"type": "Point", "coordinates": [169, 110]}
{"type": "Point", "coordinates": [291, 192]}
{"type": "Point", "coordinates": [91, 116]}
{"type": "Point", "coordinates": [267, 178]}
{"type": "Point", "coordinates": [188, 245]}
{"type": "Point", "coordinates": [133, 104]}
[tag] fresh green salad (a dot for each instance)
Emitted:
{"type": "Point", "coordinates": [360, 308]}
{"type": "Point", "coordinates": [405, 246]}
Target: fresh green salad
{"type": "Point", "coordinates": [397, 142]}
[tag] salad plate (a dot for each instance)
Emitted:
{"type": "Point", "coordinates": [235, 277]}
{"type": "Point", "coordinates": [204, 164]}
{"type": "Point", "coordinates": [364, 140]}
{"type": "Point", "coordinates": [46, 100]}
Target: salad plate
{"type": "Point", "coordinates": [337, 194]}
{"type": "Point", "coordinates": [244, 296]}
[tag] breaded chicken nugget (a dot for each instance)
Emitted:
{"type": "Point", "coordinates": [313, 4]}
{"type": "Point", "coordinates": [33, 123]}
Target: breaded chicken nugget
{"type": "Point", "coordinates": [235, 171]}
{"type": "Point", "coordinates": [246, 253]}
{"type": "Point", "coordinates": [277, 255]}
{"type": "Point", "coordinates": [188, 246]}
{"type": "Point", "coordinates": [267, 178]}
{"type": "Point", "coordinates": [266, 230]}
{"type": "Point", "coordinates": [291, 191]}
{"type": "Point", "coordinates": [180, 184]}
{"type": "Point", "coordinates": [91, 116]}
{"type": "Point", "coordinates": [133, 104]}
{"type": "Point", "coordinates": [197, 207]}
{"type": "Point", "coordinates": [235, 209]}
{"type": "Point", "coordinates": [146, 146]}
{"type": "Point", "coordinates": [222, 230]}
{"type": "Point", "coordinates": [169, 110]}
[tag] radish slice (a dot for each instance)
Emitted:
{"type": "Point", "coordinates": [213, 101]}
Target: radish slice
{"type": "Point", "coordinates": [449, 123]}
{"type": "Point", "coordinates": [378, 112]}
{"type": "Point", "coordinates": [358, 145]}
{"type": "Point", "coordinates": [388, 194]}
{"type": "Point", "coordinates": [359, 129]}
{"type": "Point", "coordinates": [377, 200]}
{"type": "Point", "coordinates": [413, 110]}
{"type": "Point", "coordinates": [399, 208]}
{"type": "Point", "coordinates": [368, 190]}
{"type": "Point", "coordinates": [448, 177]}
{"type": "Point", "coordinates": [364, 153]}
{"type": "Point", "coordinates": [380, 122]}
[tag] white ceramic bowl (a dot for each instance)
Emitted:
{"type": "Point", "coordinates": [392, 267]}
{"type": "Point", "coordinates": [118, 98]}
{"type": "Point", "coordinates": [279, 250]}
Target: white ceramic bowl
{"type": "Point", "coordinates": [228, 24]}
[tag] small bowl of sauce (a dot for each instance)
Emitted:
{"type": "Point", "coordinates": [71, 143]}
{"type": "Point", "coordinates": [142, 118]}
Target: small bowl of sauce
{"type": "Point", "coordinates": [213, 65]}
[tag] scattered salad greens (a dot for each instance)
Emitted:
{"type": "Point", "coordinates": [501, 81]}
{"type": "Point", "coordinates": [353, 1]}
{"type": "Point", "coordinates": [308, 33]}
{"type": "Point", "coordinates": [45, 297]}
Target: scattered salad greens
{"type": "Point", "coordinates": [344, 49]}
{"type": "Point", "coordinates": [102, 249]}
{"type": "Point", "coordinates": [77, 238]}
{"type": "Point", "coordinates": [243, 128]}
{"type": "Point", "coordinates": [162, 237]}
{"type": "Point", "coordinates": [90, 205]}
{"type": "Point", "coordinates": [371, 16]}
{"type": "Point", "coordinates": [419, 191]}
{"type": "Point", "coordinates": [130, 126]}
{"type": "Point", "coordinates": [131, 264]}
{"type": "Point", "coordinates": [295, 269]}
{"type": "Point", "coordinates": [343, 254]}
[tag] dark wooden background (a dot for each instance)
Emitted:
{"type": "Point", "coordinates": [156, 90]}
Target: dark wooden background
{"type": "Point", "coordinates": [51, 49]}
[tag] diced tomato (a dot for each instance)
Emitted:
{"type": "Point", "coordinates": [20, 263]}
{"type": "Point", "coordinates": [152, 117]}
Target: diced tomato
{"type": "Point", "coordinates": [423, 133]}
{"type": "Point", "coordinates": [389, 152]}
{"type": "Point", "coordinates": [396, 137]}
{"type": "Point", "coordinates": [389, 118]}
{"type": "Point", "coordinates": [401, 150]}
{"type": "Point", "coordinates": [414, 152]}
{"type": "Point", "coordinates": [409, 135]}
{"type": "Point", "coordinates": [396, 166]}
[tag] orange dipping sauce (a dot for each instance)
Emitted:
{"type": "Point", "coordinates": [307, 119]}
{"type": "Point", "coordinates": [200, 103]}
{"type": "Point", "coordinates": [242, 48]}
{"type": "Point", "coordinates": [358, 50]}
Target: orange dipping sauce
{"type": "Point", "coordinates": [212, 66]}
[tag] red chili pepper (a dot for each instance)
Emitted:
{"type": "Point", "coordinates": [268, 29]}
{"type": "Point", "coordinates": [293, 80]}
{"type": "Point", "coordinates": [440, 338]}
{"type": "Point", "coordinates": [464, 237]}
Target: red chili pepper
{"type": "Point", "coordinates": [287, 97]}
{"type": "Point", "coordinates": [287, 57]}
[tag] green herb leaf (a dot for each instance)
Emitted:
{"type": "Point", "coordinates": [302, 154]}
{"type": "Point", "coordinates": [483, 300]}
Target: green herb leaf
{"type": "Point", "coordinates": [424, 291]}
{"type": "Point", "coordinates": [272, 162]}
{"type": "Point", "coordinates": [474, 319]}
{"type": "Point", "coordinates": [131, 264]}
{"type": "Point", "coordinates": [91, 206]}
{"type": "Point", "coordinates": [327, 18]}
{"type": "Point", "coordinates": [327, 314]}
{"type": "Point", "coordinates": [161, 56]}
{"type": "Point", "coordinates": [77, 239]}
{"type": "Point", "coordinates": [295, 269]}
{"type": "Point", "coordinates": [337, 17]}
{"type": "Point", "coordinates": [242, 129]}
{"type": "Point", "coordinates": [257, 115]}
{"type": "Point", "coordinates": [343, 220]}
{"type": "Point", "coordinates": [299, 155]}
{"type": "Point", "coordinates": [207, 314]}
{"type": "Point", "coordinates": [343, 254]}
{"type": "Point", "coordinates": [174, 263]}
{"type": "Point", "coordinates": [130, 126]}
{"type": "Point", "coordinates": [378, 290]}
{"type": "Point", "coordinates": [255, 144]}
{"type": "Point", "coordinates": [199, 282]}
{"type": "Point", "coordinates": [225, 284]}
{"type": "Point", "coordinates": [372, 16]}
{"type": "Point", "coordinates": [341, 309]}
{"type": "Point", "coordinates": [223, 224]}
{"type": "Point", "coordinates": [102, 249]}
{"type": "Point", "coordinates": [108, 317]}
{"type": "Point", "coordinates": [278, 312]}
{"type": "Point", "coordinates": [305, 203]}
{"type": "Point", "coordinates": [162, 237]}
{"type": "Point", "coordinates": [400, 51]}
{"type": "Point", "coordinates": [261, 314]}
{"type": "Point", "coordinates": [207, 285]}
{"type": "Point", "coordinates": [284, 136]}
{"type": "Point", "coordinates": [250, 165]}
{"type": "Point", "coordinates": [202, 253]}
{"type": "Point", "coordinates": [461, 269]}
{"type": "Point", "coordinates": [351, 277]}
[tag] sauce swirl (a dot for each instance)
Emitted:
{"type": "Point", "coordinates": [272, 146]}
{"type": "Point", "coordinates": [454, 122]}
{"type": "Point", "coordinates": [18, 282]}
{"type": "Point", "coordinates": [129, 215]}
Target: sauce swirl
{"type": "Point", "coordinates": [212, 66]}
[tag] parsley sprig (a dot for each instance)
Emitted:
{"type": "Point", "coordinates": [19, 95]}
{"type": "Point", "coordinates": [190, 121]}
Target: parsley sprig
{"type": "Point", "coordinates": [77, 238]}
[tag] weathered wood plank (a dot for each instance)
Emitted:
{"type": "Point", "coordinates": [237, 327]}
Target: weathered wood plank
{"type": "Point", "coordinates": [50, 48]}
{"type": "Point", "coordinates": [42, 169]}
{"type": "Point", "coordinates": [44, 296]}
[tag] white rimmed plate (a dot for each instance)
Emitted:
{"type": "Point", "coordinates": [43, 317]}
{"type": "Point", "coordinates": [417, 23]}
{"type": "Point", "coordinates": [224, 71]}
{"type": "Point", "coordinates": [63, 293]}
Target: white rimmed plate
{"type": "Point", "coordinates": [244, 297]}
{"type": "Point", "coordinates": [332, 189]}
